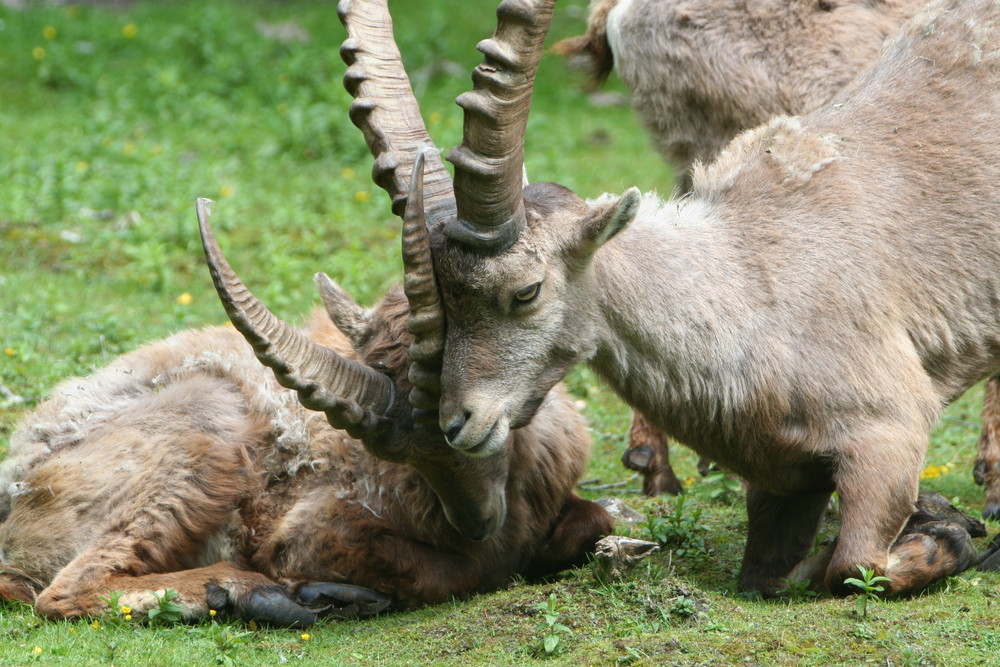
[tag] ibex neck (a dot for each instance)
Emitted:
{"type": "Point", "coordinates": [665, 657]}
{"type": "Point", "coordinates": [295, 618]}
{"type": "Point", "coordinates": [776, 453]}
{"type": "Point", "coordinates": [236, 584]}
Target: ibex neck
{"type": "Point", "coordinates": [681, 303]}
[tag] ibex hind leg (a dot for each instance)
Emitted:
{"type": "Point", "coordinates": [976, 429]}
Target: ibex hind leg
{"type": "Point", "coordinates": [876, 502]}
{"type": "Point", "coordinates": [781, 531]}
{"type": "Point", "coordinates": [987, 469]}
{"type": "Point", "coordinates": [648, 454]}
{"type": "Point", "coordinates": [155, 521]}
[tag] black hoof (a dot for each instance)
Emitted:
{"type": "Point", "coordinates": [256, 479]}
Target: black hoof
{"type": "Point", "coordinates": [956, 541]}
{"type": "Point", "coordinates": [989, 561]}
{"type": "Point", "coordinates": [933, 507]}
{"type": "Point", "coordinates": [342, 600]}
{"type": "Point", "coordinates": [992, 511]}
{"type": "Point", "coordinates": [638, 458]}
{"type": "Point", "coordinates": [267, 606]}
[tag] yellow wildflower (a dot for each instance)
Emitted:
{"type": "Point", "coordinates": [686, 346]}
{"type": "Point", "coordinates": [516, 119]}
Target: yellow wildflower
{"type": "Point", "coordinates": [435, 118]}
{"type": "Point", "coordinates": [212, 613]}
{"type": "Point", "coordinates": [305, 636]}
{"type": "Point", "coordinates": [49, 33]}
{"type": "Point", "coordinates": [38, 53]}
{"type": "Point", "coordinates": [96, 624]}
{"type": "Point", "coordinates": [362, 196]}
{"type": "Point", "coordinates": [128, 617]}
{"type": "Point", "coordinates": [37, 650]}
{"type": "Point", "coordinates": [9, 351]}
{"type": "Point", "coordinates": [126, 609]}
{"type": "Point", "coordinates": [347, 173]}
{"type": "Point", "coordinates": [933, 472]}
{"type": "Point", "coordinates": [82, 167]}
{"type": "Point", "coordinates": [227, 191]}
{"type": "Point", "coordinates": [184, 299]}
{"type": "Point", "coordinates": [130, 31]}
{"type": "Point", "coordinates": [689, 481]}
{"type": "Point", "coordinates": [128, 148]}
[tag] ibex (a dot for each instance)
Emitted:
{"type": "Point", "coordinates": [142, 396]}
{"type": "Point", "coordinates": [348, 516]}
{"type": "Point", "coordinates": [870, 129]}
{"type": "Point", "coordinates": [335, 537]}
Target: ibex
{"type": "Point", "coordinates": [700, 73]}
{"type": "Point", "coordinates": [184, 465]}
{"type": "Point", "coordinates": [801, 318]}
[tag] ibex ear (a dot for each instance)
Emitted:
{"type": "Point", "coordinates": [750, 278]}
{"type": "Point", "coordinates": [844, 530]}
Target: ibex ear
{"type": "Point", "coordinates": [607, 220]}
{"type": "Point", "coordinates": [352, 320]}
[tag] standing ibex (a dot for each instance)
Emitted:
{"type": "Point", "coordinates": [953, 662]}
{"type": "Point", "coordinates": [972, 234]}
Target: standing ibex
{"type": "Point", "coordinates": [699, 73]}
{"type": "Point", "coordinates": [802, 317]}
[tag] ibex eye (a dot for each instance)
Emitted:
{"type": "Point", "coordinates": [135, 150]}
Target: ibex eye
{"type": "Point", "coordinates": [528, 293]}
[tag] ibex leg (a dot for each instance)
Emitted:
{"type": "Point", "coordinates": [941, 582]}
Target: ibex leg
{"type": "Point", "coordinates": [876, 500]}
{"type": "Point", "coordinates": [648, 454]}
{"type": "Point", "coordinates": [781, 530]}
{"type": "Point", "coordinates": [987, 470]}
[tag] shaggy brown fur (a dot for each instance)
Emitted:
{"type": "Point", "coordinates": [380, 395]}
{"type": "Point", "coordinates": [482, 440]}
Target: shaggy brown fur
{"type": "Point", "coordinates": [184, 465]}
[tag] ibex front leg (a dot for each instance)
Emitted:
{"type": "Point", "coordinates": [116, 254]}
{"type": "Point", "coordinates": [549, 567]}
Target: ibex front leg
{"type": "Point", "coordinates": [876, 499]}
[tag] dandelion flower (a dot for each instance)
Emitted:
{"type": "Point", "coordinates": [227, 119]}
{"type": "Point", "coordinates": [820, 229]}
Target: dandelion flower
{"type": "Point", "coordinates": [37, 650]}
{"type": "Point", "coordinates": [689, 481]}
{"type": "Point", "coordinates": [435, 118]}
{"type": "Point", "coordinates": [82, 167]}
{"type": "Point", "coordinates": [128, 617]}
{"type": "Point", "coordinates": [184, 299]}
{"type": "Point", "coordinates": [96, 624]}
{"type": "Point", "coordinates": [38, 53]}
{"type": "Point", "coordinates": [126, 609]}
{"type": "Point", "coordinates": [362, 196]}
{"type": "Point", "coordinates": [227, 191]}
{"type": "Point", "coordinates": [305, 636]}
{"type": "Point", "coordinates": [347, 173]}
{"type": "Point", "coordinates": [9, 351]}
{"type": "Point", "coordinates": [130, 31]}
{"type": "Point", "coordinates": [212, 613]}
{"type": "Point", "coordinates": [49, 33]}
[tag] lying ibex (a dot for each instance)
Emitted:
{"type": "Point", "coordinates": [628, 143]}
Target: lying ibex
{"type": "Point", "coordinates": [700, 73]}
{"type": "Point", "coordinates": [184, 465]}
{"type": "Point", "coordinates": [801, 317]}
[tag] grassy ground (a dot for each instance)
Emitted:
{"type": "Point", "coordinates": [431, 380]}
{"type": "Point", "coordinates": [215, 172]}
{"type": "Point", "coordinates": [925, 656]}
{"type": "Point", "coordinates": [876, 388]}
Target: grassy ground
{"type": "Point", "coordinates": [112, 122]}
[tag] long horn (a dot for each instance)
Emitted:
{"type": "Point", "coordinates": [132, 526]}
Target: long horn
{"type": "Point", "coordinates": [426, 321]}
{"type": "Point", "coordinates": [488, 164]}
{"type": "Point", "coordinates": [354, 397]}
{"type": "Point", "coordinates": [409, 168]}
{"type": "Point", "coordinates": [386, 111]}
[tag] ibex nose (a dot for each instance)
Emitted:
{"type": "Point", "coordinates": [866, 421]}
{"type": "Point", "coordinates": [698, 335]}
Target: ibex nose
{"type": "Point", "coordinates": [452, 430]}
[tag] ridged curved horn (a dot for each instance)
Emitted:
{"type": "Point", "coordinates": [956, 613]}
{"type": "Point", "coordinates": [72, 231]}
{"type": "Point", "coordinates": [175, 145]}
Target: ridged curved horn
{"type": "Point", "coordinates": [386, 111]}
{"type": "Point", "coordinates": [426, 321]}
{"type": "Point", "coordinates": [344, 389]}
{"type": "Point", "coordinates": [488, 164]}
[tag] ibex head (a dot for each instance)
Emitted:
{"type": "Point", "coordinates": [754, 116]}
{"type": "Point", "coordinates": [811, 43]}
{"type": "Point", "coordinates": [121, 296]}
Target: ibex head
{"type": "Point", "coordinates": [388, 397]}
{"type": "Point", "coordinates": [510, 259]}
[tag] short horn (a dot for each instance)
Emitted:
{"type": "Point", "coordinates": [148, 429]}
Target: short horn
{"type": "Point", "coordinates": [488, 164]}
{"type": "Point", "coordinates": [353, 396]}
{"type": "Point", "coordinates": [426, 321]}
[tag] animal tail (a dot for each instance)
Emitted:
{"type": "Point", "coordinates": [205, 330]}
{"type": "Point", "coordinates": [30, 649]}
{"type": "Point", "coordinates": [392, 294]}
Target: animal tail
{"type": "Point", "coordinates": [592, 51]}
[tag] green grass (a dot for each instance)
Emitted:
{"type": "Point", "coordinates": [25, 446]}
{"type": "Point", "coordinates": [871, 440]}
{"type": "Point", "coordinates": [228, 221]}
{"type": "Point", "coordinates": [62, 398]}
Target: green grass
{"type": "Point", "coordinates": [108, 136]}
